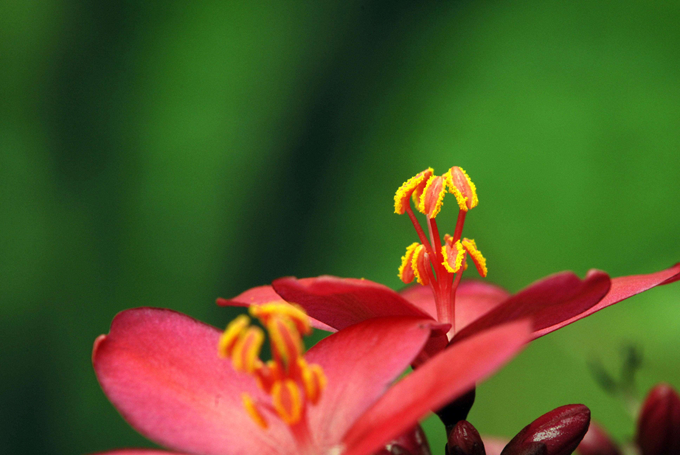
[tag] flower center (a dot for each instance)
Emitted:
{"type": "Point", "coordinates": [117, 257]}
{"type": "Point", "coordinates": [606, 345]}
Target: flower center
{"type": "Point", "coordinates": [429, 262]}
{"type": "Point", "coordinates": [289, 381]}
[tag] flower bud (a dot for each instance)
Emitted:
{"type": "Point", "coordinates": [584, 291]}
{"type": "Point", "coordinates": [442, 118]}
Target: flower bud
{"type": "Point", "coordinates": [457, 410]}
{"type": "Point", "coordinates": [465, 440]}
{"type": "Point", "coordinates": [413, 442]}
{"type": "Point", "coordinates": [597, 442]}
{"type": "Point", "coordinates": [659, 422]}
{"type": "Point", "coordinates": [557, 432]}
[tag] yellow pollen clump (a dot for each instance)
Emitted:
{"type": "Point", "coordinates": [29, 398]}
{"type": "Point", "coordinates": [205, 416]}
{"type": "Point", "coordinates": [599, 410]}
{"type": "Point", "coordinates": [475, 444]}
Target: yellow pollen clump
{"type": "Point", "coordinates": [432, 199]}
{"type": "Point", "coordinates": [231, 335]}
{"type": "Point", "coordinates": [286, 341]}
{"type": "Point", "coordinates": [453, 256]}
{"type": "Point", "coordinates": [246, 353]}
{"type": "Point", "coordinates": [253, 411]}
{"type": "Point", "coordinates": [461, 186]}
{"type": "Point", "coordinates": [287, 401]}
{"type": "Point", "coordinates": [313, 379]}
{"type": "Point", "coordinates": [290, 310]}
{"type": "Point", "coordinates": [287, 378]}
{"type": "Point", "coordinates": [418, 264]}
{"type": "Point", "coordinates": [401, 197]}
{"type": "Point", "coordinates": [405, 270]}
{"type": "Point", "coordinates": [476, 256]}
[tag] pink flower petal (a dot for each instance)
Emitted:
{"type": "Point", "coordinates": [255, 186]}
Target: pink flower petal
{"type": "Point", "coordinates": [360, 362]}
{"type": "Point", "coordinates": [494, 445]}
{"type": "Point", "coordinates": [622, 288]}
{"type": "Point", "coordinates": [474, 299]}
{"type": "Point", "coordinates": [341, 302]}
{"type": "Point", "coordinates": [442, 379]}
{"type": "Point", "coordinates": [547, 302]}
{"type": "Point", "coordinates": [264, 294]}
{"type": "Point", "coordinates": [422, 297]}
{"type": "Point", "coordinates": [137, 452]}
{"type": "Point", "coordinates": [160, 369]}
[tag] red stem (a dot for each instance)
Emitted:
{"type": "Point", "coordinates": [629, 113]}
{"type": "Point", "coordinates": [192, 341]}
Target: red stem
{"type": "Point", "coordinates": [459, 225]}
{"type": "Point", "coordinates": [419, 230]}
{"type": "Point", "coordinates": [456, 282]}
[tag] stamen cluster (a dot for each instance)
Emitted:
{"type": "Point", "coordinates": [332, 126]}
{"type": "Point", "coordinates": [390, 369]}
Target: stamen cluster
{"type": "Point", "coordinates": [429, 262]}
{"type": "Point", "coordinates": [287, 377]}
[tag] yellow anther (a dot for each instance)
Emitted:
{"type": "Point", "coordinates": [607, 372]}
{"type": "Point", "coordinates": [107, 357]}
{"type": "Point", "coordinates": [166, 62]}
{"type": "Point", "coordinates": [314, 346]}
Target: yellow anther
{"type": "Point", "coordinates": [285, 339]}
{"type": "Point", "coordinates": [231, 335]}
{"type": "Point", "coordinates": [413, 185]}
{"type": "Point", "coordinates": [246, 353]}
{"type": "Point", "coordinates": [419, 265]}
{"type": "Point", "coordinates": [432, 199]}
{"type": "Point", "coordinates": [287, 401]}
{"type": "Point", "coordinates": [281, 308]}
{"type": "Point", "coordinates": [476, 256]}
{"type": "Point", "coordinates": [314, 381]}
{"type": "Point", "coordinates": [405, 270]}
{"type": "Point", "coordinates": [453, 256]}
{"type": "Point", "coordinates": [253, 411]}
{"type": "Point", "coordinates": [461, 186]}
{"type": "Point", "coordinates": [288, 379]}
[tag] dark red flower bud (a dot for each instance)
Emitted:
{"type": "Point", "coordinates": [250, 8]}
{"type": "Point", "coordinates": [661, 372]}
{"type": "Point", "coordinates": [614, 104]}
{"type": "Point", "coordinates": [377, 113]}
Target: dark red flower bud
{"type": "Point", "coordinates": [557, 432]}
{"type": "Point", "coordinates": [465, 440]}
{"type": "Point", "coordinates": [597, 442]}
{"type": "Point", "coordinates": [659, 422]}
{"type": "Point", "coordinates": [413, 442]}
{"type": "Point", "coordinates": [457, 410]}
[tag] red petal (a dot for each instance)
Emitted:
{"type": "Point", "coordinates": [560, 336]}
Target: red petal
{"type": "Point", "coordinates": [437, 382]}
{"type": "Point", "coordinates": [264, 294]}
{"type": "Point", "coordinates": [422, 297]}
{"type": "Point", "coordinates": [161, 371]}
{"type": "Point", "coordinates": [360, 362]}
{"type": "Point", "coordinates": [622, 288]}
{"type": "Point", "coordinates": [341, 302]}
{"type": "Point", "coordinates": [137, 452]}
{"type": "Point", "coordinates": [548, 302]}
{"type": "Point", "coordinates": [474, 299]}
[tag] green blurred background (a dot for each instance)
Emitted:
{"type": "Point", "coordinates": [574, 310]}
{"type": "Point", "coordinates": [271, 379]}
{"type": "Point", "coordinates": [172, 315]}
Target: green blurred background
{"type": "Point", "coordinates": [164, 154]}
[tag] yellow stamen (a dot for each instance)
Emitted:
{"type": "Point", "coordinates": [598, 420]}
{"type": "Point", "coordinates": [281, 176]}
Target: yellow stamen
{"type": "Point", "coordinates": [453, 256]}
{"type": "Point", "coordinates": [253, 411]}
{"type": "Point", "coordinates": [288, 379]}
{"type": "Point", "coordinates": [287, 401]}
{"type": "Point", "coordinates": [231, 335]}
{"type": "Point", "coordinates": [461, 186]}
{"type": "Point", "coordinates": [408, 188]}
{"type": "Point", "coordinates": [313, 379]}
{"type": "Point", "coordinates": [285, 339]}
{"type": "Point", "coordinates": [476, 256]}
{"type": "Point", "coordinates": [419, 264]}
{"type": "Point", "coordinates": [432, 199]}
{"type": "Point", "coordinates": [405, 269]}
{"type": "Point", "coordinates": [246, 352]}
{"type": "Point", "coordinates": [294, 312]}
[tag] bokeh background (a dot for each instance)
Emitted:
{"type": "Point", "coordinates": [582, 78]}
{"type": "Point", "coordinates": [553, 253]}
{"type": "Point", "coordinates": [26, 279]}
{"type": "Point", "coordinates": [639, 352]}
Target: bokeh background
{"type": "Point", "coordinates": [164, 154]}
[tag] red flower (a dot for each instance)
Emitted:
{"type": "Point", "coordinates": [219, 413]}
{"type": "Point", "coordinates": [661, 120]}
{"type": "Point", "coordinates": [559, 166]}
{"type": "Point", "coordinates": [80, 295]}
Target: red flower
{"type": "Point", "coordinates": [161, 370]}
{"type": "Point", "coordinates": [470, 307]}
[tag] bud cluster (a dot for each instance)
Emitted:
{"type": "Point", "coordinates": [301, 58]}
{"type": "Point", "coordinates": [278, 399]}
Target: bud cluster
{"type": "Point", "coordinates": [557, 432]}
